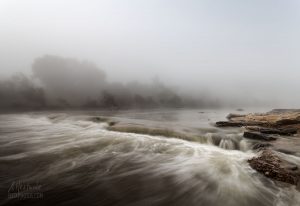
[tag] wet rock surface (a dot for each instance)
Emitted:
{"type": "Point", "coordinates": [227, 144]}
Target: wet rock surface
{"type": "Point", "coordinates": [271, 166]}
{"type": "Point", "coordinates": [229, 124]}
{"type": "Point", "coordinates": [275, 120]}
{"type": "Point", "coordinates": [260, 146]}
{"type": "Point", "coordinates": [264, 130]}
{"type": "Point", "coordinates": [259, 136]}
{"type": "Point", "coordinates": [280, 131]}
{"type": "Point", "coordinates": [263, 126]}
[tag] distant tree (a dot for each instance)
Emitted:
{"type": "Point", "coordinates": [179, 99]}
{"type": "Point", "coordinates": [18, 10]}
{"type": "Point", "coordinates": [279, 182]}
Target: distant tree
{"type": "Point", "coordinates": [108, 101]}
{"type": "Point", "coordinates": [69, 79]}
{"type": "Point", "coordinates": [91, 103]}
{"type": "Point", "coordinates": [20, 92]}
{"type": "Point", "coordinates": [174, 101]}
{"type": "Point", "coordinates": [140, 101]}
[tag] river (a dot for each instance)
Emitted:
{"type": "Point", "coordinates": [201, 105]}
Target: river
{"type": "Point", "coordinates": [71, 160]}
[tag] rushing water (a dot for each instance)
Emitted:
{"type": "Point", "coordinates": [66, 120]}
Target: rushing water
{"type": "Point", "coordinates": [75, 161]}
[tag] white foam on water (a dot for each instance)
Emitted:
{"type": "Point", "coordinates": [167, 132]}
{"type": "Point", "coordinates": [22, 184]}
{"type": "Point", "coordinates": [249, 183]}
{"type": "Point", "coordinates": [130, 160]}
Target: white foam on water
{"type": "Point", "coordinates": [197, 173]}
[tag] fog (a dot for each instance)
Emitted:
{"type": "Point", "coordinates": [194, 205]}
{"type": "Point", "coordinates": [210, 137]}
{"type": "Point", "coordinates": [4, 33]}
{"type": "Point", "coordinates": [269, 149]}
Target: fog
{"type": "Point", "coordinates": [67, 83]}
{"type": "Point", "coordinates": [138, 53]}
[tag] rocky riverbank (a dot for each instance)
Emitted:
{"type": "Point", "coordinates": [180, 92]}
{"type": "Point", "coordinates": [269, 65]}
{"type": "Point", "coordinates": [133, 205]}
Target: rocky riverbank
{"type": "Point", "coordinates": [266, 128]}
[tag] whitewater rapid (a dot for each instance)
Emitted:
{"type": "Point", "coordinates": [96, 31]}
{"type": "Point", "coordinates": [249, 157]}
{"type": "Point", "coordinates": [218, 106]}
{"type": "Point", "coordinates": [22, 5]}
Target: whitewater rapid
{"type": "Point", "coordinates": [77, 161]}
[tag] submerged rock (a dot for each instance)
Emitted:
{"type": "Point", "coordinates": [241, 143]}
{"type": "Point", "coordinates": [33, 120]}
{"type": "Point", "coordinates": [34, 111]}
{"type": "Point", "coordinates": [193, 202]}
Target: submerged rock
{"type": "Point", "coordinates": [259, 146]}
{"type": "Point", "coordinates": [271, 166]}
{"type": "Point", "coordinates": [99, 119]}
{"type": "Point", "coordinates": [112, 123]}
{"type": "Point", "coordinates": [259, 136]}
{"type": "Point", "coordinates": [285, 151]}
{"type": "Point", "coordinates": [231, 115]}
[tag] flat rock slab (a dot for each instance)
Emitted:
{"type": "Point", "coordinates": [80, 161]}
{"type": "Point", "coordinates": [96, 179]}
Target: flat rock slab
{"type": "Point", "coordinates": [229, 124]}
{"type": "Point", "coordinates": [271, 166]}
{"type": "Point", "coordinates": [283, 111]}
{"type": "Point", "coordinates": [270, 119]}
{"type": "Point", "coordinates": [259, 136]}
{"type": "Point", "coordinates": [265, 126]}
{"type": "Point", "coordinates": [280, 131]}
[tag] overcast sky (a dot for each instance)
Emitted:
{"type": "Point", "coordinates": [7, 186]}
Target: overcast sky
{"type": "Point", "coordinates": [232, 47]}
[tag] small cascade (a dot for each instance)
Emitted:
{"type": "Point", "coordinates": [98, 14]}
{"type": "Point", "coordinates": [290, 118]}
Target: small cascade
{"type": "Point", "coordinates": [227, 144]}
{"type": "Point", "coordinates": [225, 141]}
{"type": "Point", "coordinates": [244, 145]}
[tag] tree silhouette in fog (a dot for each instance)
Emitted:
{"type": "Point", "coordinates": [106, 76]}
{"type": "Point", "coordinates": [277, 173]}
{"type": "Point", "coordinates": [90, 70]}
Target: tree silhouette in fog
{"type": "Point", "coordinates": [59, 82]}
{"type": "Point", "coordinates": [68, 79]}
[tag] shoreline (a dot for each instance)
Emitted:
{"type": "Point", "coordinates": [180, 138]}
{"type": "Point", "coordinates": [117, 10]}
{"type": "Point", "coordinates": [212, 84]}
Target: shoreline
{"type": "Point", "coordinates": [268, 129]}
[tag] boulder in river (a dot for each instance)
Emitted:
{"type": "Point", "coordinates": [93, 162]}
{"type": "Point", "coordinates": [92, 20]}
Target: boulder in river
{"type": "Point", "coordinates": [271, 166]}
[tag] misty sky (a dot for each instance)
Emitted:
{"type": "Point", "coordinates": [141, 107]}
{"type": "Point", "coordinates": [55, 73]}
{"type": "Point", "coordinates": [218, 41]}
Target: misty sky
{"type": "Point", "coordinates": [233, 47]}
